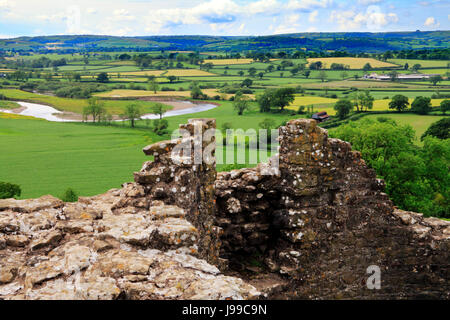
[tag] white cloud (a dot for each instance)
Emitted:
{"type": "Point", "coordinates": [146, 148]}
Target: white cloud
{"type": "Point", "coordinates": [5, 4]}
{"type": "Point", "coordinates": [263, 7]}
{"type": "Point", "coordinates": [224, 12]}
{"type": "Point", "coordinates": [122, 15]}
{"type": "Point", "coordinates": [306, 5]}
{"type": "Point", "coordinates": [431, 22]}
{"type": "Point", "coordinates": [212, 12]}
{"type": "Point", "coordinates": [313, 16]}
{"type": "Point", "coordinates": [56, 17]}
{"type": "Point", "coordinates": [91, 11]}
{"type": "Point", "coordinates": [290, 25]}
{"type": "Point", "coordinates": [372, 19]}
{"type": "Point", "coordinates": [367, 2]}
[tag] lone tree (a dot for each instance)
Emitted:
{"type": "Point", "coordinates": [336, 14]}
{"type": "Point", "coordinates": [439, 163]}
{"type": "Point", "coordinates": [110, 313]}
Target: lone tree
{"type": "Point", "coordinates": [445, 106]}
{"type": "Point", "coordinates": [276, 98]}
{"type": "Point", "coordinates": [323, 75]}
{"type": "Point", "coordinates": [196, 92]}
{"type": "Point", "coordinates": [367, 67]}
{"type": "Point", "coordinates": [439, 129]}
{"type": "Point", "coordinates": [9, 190]}
{"type": "Point", "coordinates": [283, 97]}
{"type": "Point", "coordinates": [160, 109]}
{"type": "Point", "coordinates": [416, 67]}
{"type": "Point", "coordinates": [365, 101]}
{"type": "Point", "coordinates": [421, 105]}
{"type": "Point", "coordinates": [247, 83]}
{"type": "Point", "coordinates": [399, 103]}
{"type": "Point", "coordinates": [102, 77]}
{"type": "Point", "coordinates": [172, 78]}
{"type": "Point", "coordinates": [240, 103]}
{"type": "Point", "coordinates": [95, 108]}
{"type": "Point", "coordinates": [343, 108]}
{"type": "Point", "coordinates": [267, 124]}
{"type": "Point", "coordinates": [393, 75]}
{"type": "Point", "coordinates": [133, 112]}
{"type": "Point", "coordinates": [435, 79]}
{"type": "Point", "coordinates": [153, 85]}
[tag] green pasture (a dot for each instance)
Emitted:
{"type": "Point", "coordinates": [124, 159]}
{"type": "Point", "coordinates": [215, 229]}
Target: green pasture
{"type": "Point", "coordinates": [420, 123]}
{"type": "Point", "coordinates": [47, 157]}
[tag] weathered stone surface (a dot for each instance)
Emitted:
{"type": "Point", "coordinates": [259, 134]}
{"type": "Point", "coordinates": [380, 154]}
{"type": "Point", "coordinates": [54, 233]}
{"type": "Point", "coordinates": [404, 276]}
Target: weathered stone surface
{"type": "Point", "coordinates": [46, 239]}
{"type": "Point", "coordinates": [88, 250]}
{"type": "Point", "coordinates": [323, 219]}
{"type": "Point", "coordinates": [31, 205]}
{"type": "Point", "coordinates": [308, 229]}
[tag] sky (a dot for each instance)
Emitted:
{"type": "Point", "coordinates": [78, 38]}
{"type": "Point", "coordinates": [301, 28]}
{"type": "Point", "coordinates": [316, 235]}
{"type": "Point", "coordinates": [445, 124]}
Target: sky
{"type": "Point", "coordinates": [218, 17]}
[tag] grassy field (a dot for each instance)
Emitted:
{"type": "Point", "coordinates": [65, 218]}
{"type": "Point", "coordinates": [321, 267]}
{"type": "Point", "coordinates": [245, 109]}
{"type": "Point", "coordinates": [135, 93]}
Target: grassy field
{"type": "Point", "coordinates": [187, 73]}
{"type": "Point", "coordinates": [126, 93]}
{"type": "Point", "coordinates": [353, 63]}
{"type": "Point", "coordinates": [155, 73]}
{"type": "Point", "coordinates": [418, 122]}
{"type": "Point", "coordinates": [62, 155]}
{"type": "Point", "coordinates": [442, 71]}
{"type": "Point", "coordinates": [327, 104]}
{"type": "Point", "coordinates": [8, 105]}
{"type": "Point", "coordinates": [114, 107]}
{"type": "Point", "coordinates": [50, 157]}
{"type": "Point", "coordinates": [225, 62]}
{"type": "Point", "coordinates": [423, 63]}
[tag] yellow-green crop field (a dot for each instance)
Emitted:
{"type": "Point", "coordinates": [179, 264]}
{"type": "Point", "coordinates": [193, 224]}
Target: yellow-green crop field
{"type": "Point", "coordinates": [309, 100]}
{"type": "Point", "coordinates": [353, 63]}
{"type": "Point", "coordinates": [437, 71]}
{"type": "Point", "coordinates": [13, 116]}
{"type": "Point", "coordinates": [122, 63]}
{"type": "Point", "coordinates": [327, 104]}
{"type": "Point", "coordinates": [187, 73]}
{"type": "Point", "coordinates": [127, 93]}
{"type": "Point", "coordinates": [383, 104]}
{"type": "Point", "coordinates": [423, 63]}
{"type": "Point", "coordinates": [138, 73]}
{"type": "Point", "coordinates": [225, 62]}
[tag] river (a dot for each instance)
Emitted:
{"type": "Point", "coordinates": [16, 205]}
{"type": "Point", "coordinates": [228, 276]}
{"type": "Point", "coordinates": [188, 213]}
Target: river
{"type": "Point", "coordinates": [51, 114]}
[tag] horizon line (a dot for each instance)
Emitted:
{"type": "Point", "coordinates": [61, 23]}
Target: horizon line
{"type": "Point", "coordinates": [206, 35]}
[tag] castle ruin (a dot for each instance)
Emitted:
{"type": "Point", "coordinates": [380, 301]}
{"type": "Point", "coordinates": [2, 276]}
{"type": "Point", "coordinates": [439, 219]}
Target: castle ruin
{"type": "Point", "coordinates": [310, 230]}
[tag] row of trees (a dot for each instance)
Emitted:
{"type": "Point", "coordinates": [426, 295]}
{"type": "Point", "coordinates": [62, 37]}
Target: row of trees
{"type": "Point", "coordinates": [133, 112]}
{"type": "Point", "coordinates": [364, 102]}
{"type": "Point", "coordinates": [420, 105]}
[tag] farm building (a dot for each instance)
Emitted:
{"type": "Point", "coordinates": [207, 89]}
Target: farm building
{"type": "Point", "coordinates": [386, 77]}
{"type": "Point", "coordinates": [321, 116]}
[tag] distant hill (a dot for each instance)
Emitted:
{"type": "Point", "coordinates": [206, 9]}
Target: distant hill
{"type": "Point", "coordinates": [350, 42]}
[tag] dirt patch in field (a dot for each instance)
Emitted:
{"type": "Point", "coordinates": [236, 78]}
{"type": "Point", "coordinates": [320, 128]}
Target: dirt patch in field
{"type": "Point", "coordinates": [16, 110]}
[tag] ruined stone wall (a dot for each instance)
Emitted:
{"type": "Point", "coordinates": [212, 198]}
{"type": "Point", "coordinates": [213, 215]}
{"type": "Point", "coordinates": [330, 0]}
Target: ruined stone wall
{"type": "Point", "coordinates": [186, 183]}
{"type": "Point", "coordinates": [311, 227]}
{"type": "Point", "coordinates": [324, 219]}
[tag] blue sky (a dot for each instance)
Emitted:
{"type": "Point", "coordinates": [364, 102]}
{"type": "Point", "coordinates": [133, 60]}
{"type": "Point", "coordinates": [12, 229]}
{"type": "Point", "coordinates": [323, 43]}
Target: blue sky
{"type": "Point", "coordinates": [218, 17]}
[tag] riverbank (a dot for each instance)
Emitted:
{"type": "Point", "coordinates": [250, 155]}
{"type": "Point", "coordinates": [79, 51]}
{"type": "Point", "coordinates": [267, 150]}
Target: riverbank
{"type": "Point", "coordinates": [51, 114]}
